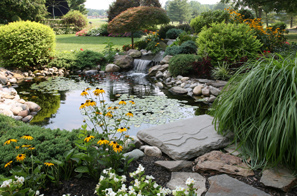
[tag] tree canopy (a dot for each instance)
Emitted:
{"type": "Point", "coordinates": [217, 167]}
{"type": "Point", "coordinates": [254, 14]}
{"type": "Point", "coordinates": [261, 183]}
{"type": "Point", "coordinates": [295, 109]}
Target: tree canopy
{"type": "Point", "coordinates": [134, 19]}
{"type": "Point", "coordinates": [179, 10]}
{"type": "Point", "coordinates": [121, 5]}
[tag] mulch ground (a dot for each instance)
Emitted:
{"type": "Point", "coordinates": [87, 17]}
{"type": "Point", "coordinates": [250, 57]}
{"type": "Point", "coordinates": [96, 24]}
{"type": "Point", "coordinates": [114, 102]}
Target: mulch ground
{"type": "Point", "coordinates": [86, 186]}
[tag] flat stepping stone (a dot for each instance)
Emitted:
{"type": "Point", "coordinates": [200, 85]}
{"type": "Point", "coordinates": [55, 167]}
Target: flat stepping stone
{"type": "Point", "coordinates": [174, 165]}
{"type": "Point", "coordinates": [224, 185]}
{"type": "Point", "coordinates": [278, 177]}
{"type": "Point", "coordinates": [178, 179]}
{"type": "Point", "coordinates": [185, 139]}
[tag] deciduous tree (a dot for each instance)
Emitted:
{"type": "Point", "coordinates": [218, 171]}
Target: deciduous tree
{"type": "Point", "coordinates": [134, 19]}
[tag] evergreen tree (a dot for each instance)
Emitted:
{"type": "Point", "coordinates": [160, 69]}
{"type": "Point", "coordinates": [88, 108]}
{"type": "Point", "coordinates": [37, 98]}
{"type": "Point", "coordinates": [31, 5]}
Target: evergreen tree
{"type": "Point", "coordinates": [179, 10]}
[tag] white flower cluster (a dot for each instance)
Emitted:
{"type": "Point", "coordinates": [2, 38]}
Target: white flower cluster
{"type": "Point", "coordinates": [138, 171]}
{"type": "Point", "coordinates": [18, 181]}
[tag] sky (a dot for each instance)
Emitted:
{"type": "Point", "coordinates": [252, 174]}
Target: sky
{"type": "Point", "coordinates": [104, 4]}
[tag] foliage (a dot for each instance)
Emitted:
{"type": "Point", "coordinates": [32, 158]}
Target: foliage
{"type": "Point", "coordinates": [188, 47]}
{"type": "Point", "coordinates": [173, 33]}
{"type": "Point", "coordinates": [163, 30]}
{"type": "Point", "coordinates": [75, 18]}
{"type": "Point", "coordinates": [112, 184]}
{"type": "Point", "coordinates": [221, 72]}
{"type": "Point", "coordinates": [109, 52]}
{"type": "Point", "coordinates": [181, 64]}
{"type": "Point", "coordinates": [63, 59]}
{"type": "Point", "coordinates": [122, 5]}
{"type": "Point", "coordinates": [184, 27]}
{"type": "Point", "coordinates": [152, 42]}
{"type": "Point", "coordinates": [26, 44]}
{"type": "Point", "coordinates": [33, 11]}
{"type": "Point", "coordinates": [89, 59]}
{"type": "Point", "coordinates": [103, 30]}
{"type": "Point", "coordinates": [153, 46]}
{"type": "Point", "coordinates": [246, 14]}
{"type": "Point", "coordinates": [208, 19]}
{"type": "Point", "coordinates": [279, 25]}
{"type": "Point", "coordinates": [231, 41]}
{"type": "Point", "coordinates": [259, 107]}
{"type": "Point", "coordinates": [203, 67]}
{"type": "Point", "coordinates": [172, 51]}
{"type": "Point", "coordinates": [78, 5]}
{"type": "Point", "coordinates": [109, 128]}
{"type": "Point", "coordinates": [137, 18]}
{"type": "Point", "coordinates": [178, 10]}
{"type": "Point", "coordinates": [184, 37]}
{"type": "Point", "coordinates": [127, 47]}
{"type": "Point", "coordinates": [13, 187]}
{"type": "Point", "coordinates": [94, 31]}
{"type": "Point", "coordinates": [140, 44]}
{"type": "Point", "coordinates": [270, 38]}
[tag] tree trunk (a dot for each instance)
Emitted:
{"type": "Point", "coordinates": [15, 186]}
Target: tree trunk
{"type": "Point", "coordinates": [291, 22]}
{"type": "Point", "coordinates": [266, 19]}
{"type": "Point", "coordinates": [260, 12]}
{"type": "Point", "coordinates": [132, 40]}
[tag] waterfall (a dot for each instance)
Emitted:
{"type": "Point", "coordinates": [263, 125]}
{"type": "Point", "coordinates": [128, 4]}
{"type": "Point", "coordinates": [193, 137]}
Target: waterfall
{"type": "Point", "coordinates": [141, 65]}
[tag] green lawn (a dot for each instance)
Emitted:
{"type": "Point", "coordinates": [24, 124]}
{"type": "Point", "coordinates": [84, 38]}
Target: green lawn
{"type": "Point", "coordinates": [292, 37]}
{"type": "Point", "coordinates": [72, 42]}
{"type": "Point", "coordinates": [97, 22]}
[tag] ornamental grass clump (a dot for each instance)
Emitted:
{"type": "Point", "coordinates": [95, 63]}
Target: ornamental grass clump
{"type": "Point", "coordinates": [260, 108]}
{"type": "Point", "coordinates": [103, 146]}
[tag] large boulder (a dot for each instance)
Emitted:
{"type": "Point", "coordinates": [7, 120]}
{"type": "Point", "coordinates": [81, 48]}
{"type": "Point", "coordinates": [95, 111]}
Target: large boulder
{"type": "Point", "coordinates": [134, 53]}
{"type": "Point", "coordinates": [153, 70]}
{"type": "Point", "coordinates": [33, 107]}
{"type": "Point", "coordinates": [178, 90]}
{"type": "Point", "coordinates": [123, 61]}
{"type": "Point", "coordinates": [112, 68]}
{"type": "Point", "coordinates": [166, 59]}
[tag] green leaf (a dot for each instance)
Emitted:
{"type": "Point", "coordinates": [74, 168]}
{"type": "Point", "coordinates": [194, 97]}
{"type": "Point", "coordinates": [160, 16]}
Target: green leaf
{"type": "Point", "coordinates": [82, 169]}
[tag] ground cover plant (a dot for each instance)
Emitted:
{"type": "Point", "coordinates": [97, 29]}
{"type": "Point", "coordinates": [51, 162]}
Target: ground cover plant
{"type": "Point", "coordinates": [259, 107]}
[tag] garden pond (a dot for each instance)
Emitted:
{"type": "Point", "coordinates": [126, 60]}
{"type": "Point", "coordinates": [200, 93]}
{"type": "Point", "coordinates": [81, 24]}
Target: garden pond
{"type": "Point", "coordinates": [60, 99]}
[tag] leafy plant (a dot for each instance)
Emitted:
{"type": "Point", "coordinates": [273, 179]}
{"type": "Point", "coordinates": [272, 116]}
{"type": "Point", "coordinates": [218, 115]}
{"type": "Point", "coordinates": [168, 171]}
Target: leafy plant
{"type": "Point", "coordinates": [89, 58]}
{"type": "Point", "coordinates": [26, 44]}
{"type": "Point", "coordinates": [182, 64]}
{"type": "Point", "coordinates": [188, 47]}
{"type": "Point", "coordinates": [185, 27]}
{"type": "Point", "coordinates": [173, 50]}
{"type": "Point", "coordinates": [75, 18]}
{"type": "Point", "coordinates": [173, 33]}
{"type": "Point", "coordinates": [64, 59]}
{"type": "Point", "coordinates": [221, 72]}
{"type": "Point", "coordinates": [140, 44]}
{"type": "Point", "coordinates": [163, 30]}
{"type": "Point", "coordinates": [259, 108]}
{"type": "Point", "coordinates": [231, 41]}
{"type": "Point", "coordinates": [203, 67]}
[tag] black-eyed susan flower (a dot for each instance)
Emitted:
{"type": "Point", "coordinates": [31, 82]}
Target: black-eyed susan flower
{"type": "Point", "coordinates": [31, 148]}
{"type": "Point", "coordinates": [8, 164]}
{"type": "Point", "coordinates": [108, 114]}
{"type": "Point", "coordinates": [110, 108]}
{"type": "Point", "coordinates": [82, 105]}
{"type": "Point", "coordinates": [117, 148]}
{"type": "Point", "coordinates": [98, 91]}
{"type": "Point", "coordinates": [115, 107]}
{"type": "Point", "coordinates": [102, 141]}
{"type": "Point", "coordinates": [20, 157]}
{"type": "Point", "coordinates": [49, 164]}
{"type": "Point", "coordinates": [92, 103]}
{"type": "Point", "coordinates": [98, 113]}
{"type": "Point", "coordinates": [27, 137]}
{"type": "Point", "coordinates": [88, 138]}
{"type": "Point", "coordinates": [113, 143]}
{"type": "Point", "coordinates": [127, 136]}
{"type": "Point", "coordinates": [87, 89]}
{"type": "Point", "coordinates": [84, 93]}
{"type": "Point", "coordinates": [17, 147]}
{"type": "Point", "coordinates": [9, 141]}
{"type": "Point", "coordinates": [130, 114]}
{"type": "Point", "coordinates": [26, 146]}
{"type": "Point", "coordinates": [132, 102]}
{"type": "Point", "coordinates": [122, 102]}
{"type": "Point", "coordinates": [88, 103]}
{"type": "Point", "coordinates": [122, 129]}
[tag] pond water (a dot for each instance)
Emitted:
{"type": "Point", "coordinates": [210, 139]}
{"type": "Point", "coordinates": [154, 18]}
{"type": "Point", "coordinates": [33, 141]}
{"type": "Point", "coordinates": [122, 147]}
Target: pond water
{"type": "Point", "coordinates": [60, 99]}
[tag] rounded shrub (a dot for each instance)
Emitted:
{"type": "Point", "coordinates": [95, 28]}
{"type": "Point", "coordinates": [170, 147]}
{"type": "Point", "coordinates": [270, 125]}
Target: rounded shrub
{"type": "Point", "coordinates": [184, 27]}
{"type": "Point", "coordinates": [75, 18]}
{"type": "Point", "coordinates": [26, 44]}
{"type": "Point", "coordinates": [182, 64]}
{"type": "Point", "coordinates": [173, 33]}
{"type": "Point", "coordinates": [188, 47]}
{"type": "Point", "coordinates": [164, 29]}
{"type": "Point", "coordinates": [228, 41]}
{"type": "Point", "coordinates": [172, 51]}
{"type": "Point", "coordinates": [89, 59]}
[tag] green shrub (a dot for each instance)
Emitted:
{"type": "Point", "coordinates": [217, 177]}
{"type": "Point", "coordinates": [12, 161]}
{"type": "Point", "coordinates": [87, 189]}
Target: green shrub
{"type": "Point", "coordinates": [182, 64]}
{"type": "Point", "coordinates": [94, 31]}
{"type": "Point", "coordinates": [173, 50]}
{"type": "Point", "coordinates": [173, 33]}
{"type": "Point", "coordinates": [228, 41]}
{"type": "Point", "coordinates": [89, 59]}
{"type": "Point", "coordinates": [188, 47]}
{"type": "Point", "coordinates": [140, 44]}
{"type": "Point", "coordinates": [259, 107]}
{"type": "Point", "coordinates": [185, 37]}
{"type": "Point", "coordinates": [208, 18]}
{"type": "Point", "coordinates": [49, 144]}
{"type": "Point", "coordinates": [103, 30]}
{"type": "Point", "coordinates": [221, 71]}
{"type": "Point", "coordinates": [26, 44]}
{"type": "Point", "coordinates": [64, 59]}
{"type": "Point", "coordinates": [75, 18]}
{"type": "Point", "coordinates": [280, 25]}
{"type": "Point", "coordinates": [246, 14]}
{"type": "Point", "coordinates": [184, 27]}
{"type": "Point", "coordinates": [153, 46]}
{"type": "Point", "coordinates": [164, 29]}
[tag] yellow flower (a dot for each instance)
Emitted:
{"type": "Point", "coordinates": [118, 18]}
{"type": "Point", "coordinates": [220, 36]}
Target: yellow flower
{"type": "Point", "coordinates": [87, 89]}
{"type": "Point", "coordinates": [20, 157]}
{"type": "Point", "coordinates": [108, 114]}
{"type": "Point", "coordinates": [117, 148]}
{"type": "Point", "coordinates": [115, 107]}
{"type": "Point", "coordinates": [122, 102]}
{"type": "Point", "coordinates": [8, 164]}
{"type": "Point", "coordinates": [132, 102]}
{"type": "Point", "coordinates": [127, 136]}
{"type": "Point", "coordinates": [92, 103]}
{"type": "Point", "coordinates": [98, 91]}
{"type": "Point", "coordinates": [122, 129]}
{"type": "Point", "coordinates": [27, 137]}
{"type": "Point", "coordinates": [17, 147]}
{"type": "Point", "coordinates": [129, 114]}
{"type": "Point", "coordinates": [9, 141]}
{"type": "Point", "coordinates": [88, 103]}
{"type": "Point", "coordinates": [87, 139]}
{"type": "Point", "coordinates": [98, 113]}
{"type": "Point", "coordinates": [31, 148]}
{"type": "Point", "coordinates": [102, 141]}
{"type": "Point", "coordinates": [48, 164]}
{"type": "Point", "coordinates": [82, 105]}
{"type": "Point", "coordinates": [25, 146]}
{"type": "Point", "coordinates": [84, 93]}
{"type": "Point", "coordinates": [113, 143]}
{"type": "Point", "coordinates": [110, 108]}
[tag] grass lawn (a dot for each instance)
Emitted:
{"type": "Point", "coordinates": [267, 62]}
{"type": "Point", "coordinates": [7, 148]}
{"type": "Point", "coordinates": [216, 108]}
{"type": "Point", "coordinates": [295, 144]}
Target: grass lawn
{"type": "Point", "coordinates": [72, 42]}
{"type": "Point", "coordinates": [292, 37]}
{"type": "Point", "coordinates": [97, 22]}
